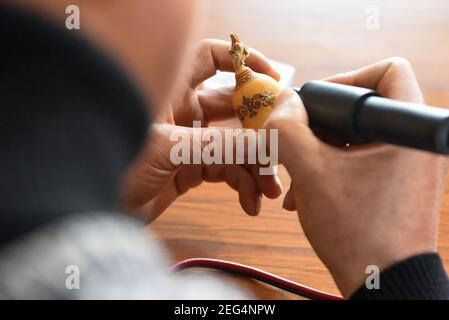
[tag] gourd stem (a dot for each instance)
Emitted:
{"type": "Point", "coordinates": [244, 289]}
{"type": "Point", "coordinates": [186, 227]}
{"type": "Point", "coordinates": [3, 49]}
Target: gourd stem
{"type": "Point", "coordinates": [239, 52]}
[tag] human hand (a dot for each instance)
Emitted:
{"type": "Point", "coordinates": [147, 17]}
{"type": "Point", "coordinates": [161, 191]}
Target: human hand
{"type": "Point", "coordinates": [362, 205]}
{"type": "Point", "coordinates": [154, 182]}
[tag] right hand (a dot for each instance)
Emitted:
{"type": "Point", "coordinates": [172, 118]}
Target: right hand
{"type": "Point", "coordinates": [363, 205]}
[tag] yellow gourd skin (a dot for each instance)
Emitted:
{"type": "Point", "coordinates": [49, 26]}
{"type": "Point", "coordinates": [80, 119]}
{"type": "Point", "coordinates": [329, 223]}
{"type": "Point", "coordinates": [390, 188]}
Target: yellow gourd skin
{"type": "Point", "coordinates": [253, 101]}
{"type": "Point", "coordinates": [254, 94]}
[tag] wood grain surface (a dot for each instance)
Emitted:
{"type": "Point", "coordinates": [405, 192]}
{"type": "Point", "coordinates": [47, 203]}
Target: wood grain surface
{"type": "Point", "coordinates": [319, 38]}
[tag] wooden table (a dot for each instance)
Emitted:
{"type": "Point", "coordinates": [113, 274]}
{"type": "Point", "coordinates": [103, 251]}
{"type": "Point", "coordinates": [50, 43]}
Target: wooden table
{"type": "Point", "coordinates": [319, 38]}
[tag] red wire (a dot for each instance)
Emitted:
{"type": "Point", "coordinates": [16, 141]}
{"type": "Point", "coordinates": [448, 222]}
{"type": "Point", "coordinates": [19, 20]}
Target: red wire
{"type": "Point", "coordinates": [257, 274]}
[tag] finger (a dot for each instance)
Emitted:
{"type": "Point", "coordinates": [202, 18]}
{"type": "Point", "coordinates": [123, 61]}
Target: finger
{"type": "Point", "coordinates": [270, 185]}
{"type": "Point", "coordinates": [153, 209]}
{"type": "Point", "coordinates": [239, 179]}
{"type": "Point", "coordinates": [289, 200]}
{"type": "Point", "coordinates": [393, 78]}
{"type": "Point", "coordinates": [210, 145]}
{"type": "Point", "coordinates": [211, 55]}
{"type": "Point", "coordinates": [296, 142]}
{"type": "Point", "coordinates": [216, 104]}
{"type": "Point", "coordinates": [259, 63]}
{"type": "Point", "coordinates": [288, 105]}
{"type": "Point", "coordinates": [235, 176]}
{"type": "Point", "coordinates": [151, 169]}
{"type": "Point", "coordinates": [367, 77]}
{"type": "Point", "coordinates": [188, 177]}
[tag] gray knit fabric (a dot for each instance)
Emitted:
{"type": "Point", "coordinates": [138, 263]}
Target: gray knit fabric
{"type": "Point", "coordinates": [116, 259]}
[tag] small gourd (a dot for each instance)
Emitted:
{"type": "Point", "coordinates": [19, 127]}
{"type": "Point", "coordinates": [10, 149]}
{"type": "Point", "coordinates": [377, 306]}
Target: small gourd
{"type": "Point", "coordinates": [254, 93]}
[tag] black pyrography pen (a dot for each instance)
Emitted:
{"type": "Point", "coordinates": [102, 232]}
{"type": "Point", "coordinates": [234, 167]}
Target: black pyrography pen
{"type": "Point", "coordinates": [362, 115]}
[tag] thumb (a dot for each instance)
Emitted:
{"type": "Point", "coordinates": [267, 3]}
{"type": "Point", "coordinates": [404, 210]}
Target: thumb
{"type": "Point", "coordinates": [288, 105]}
{"type": "Point", "coordinates": [295, 139]}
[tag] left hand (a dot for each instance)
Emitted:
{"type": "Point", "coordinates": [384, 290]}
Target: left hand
{"type": "Point", "coordinates": [154, 182]}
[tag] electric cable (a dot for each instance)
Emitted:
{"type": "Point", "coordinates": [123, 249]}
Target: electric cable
{"type": "Point", "coordinates": [257, 274]}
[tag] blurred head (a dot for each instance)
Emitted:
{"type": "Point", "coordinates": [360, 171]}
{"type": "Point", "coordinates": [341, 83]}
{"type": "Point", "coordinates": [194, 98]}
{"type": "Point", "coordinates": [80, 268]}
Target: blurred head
{"type": "Point", "coordinates": [148, 37]}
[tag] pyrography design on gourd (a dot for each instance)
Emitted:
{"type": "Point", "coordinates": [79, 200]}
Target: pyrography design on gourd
{"type": "Point", "coordinates": [249, 106]}
{"type": "Point", "coordinates": [254, 93]}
